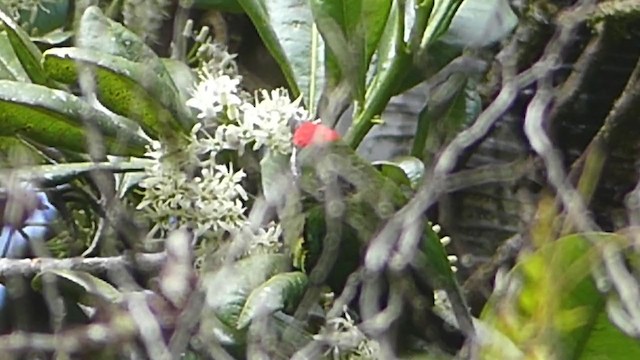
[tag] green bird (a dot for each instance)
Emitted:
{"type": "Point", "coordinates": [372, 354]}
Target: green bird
{"type": "Point", "coordinates": [348, 202]}
{"type": "Point", "coordinates": [347, 195]}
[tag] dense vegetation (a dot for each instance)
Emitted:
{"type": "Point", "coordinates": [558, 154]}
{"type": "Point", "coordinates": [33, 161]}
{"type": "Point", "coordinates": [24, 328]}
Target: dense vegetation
{"type": "Point", "coordinates": [173, 185]}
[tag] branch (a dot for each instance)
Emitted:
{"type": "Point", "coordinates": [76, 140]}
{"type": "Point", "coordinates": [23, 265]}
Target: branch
{"type": "Point", "coordinates": [148, 263]}
{"type": "Point", "coordinates": [120, 329]}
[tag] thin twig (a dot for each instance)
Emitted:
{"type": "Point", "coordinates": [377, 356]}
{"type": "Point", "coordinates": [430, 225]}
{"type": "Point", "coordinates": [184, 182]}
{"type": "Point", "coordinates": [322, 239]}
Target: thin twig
{"type": "Point", "coordinates": [117, 330]}
{"type": "Point", "coordinates": [147, 263]}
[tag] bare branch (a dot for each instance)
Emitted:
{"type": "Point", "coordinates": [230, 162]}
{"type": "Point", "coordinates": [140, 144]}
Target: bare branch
{"type": "Point", "coordinates": [147, 263]}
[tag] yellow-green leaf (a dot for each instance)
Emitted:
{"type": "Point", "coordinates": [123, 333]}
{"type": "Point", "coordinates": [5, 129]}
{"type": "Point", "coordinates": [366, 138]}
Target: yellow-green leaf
{"type": "Point", "coordinates": [57, 118]}
{"type": "Point", "coordinates": [125, 87]}
{"type": "Point", "coordinates": [278, 293]}
{"type": "Point", "coordinates": [229, 287]}
{"type": "Point", "coordinates": [554, 308]}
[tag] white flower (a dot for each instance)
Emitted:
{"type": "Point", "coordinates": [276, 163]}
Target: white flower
{"type": "Point", "coordinates": [217, 59]}
{"type": "Point", "coordinates": [234, 137]}
{"type": "Point", "coordinates": [266, 241]}
{"type": "Point", "coordinates": [269, 120]}
{"type": "Point", "coordinates": [346, 339]}
{"type": "Point", "coordinates": [213, 94]}
{"type": "Point", "coordinates": [210, 200]}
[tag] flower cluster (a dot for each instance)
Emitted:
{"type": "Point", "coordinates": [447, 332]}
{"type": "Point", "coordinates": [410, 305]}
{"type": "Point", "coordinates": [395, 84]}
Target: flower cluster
{"type": "Point", "coordinates": [266, 241]}
{"type": "Point", "coordinates": [190, 185]}
{"type": "Point", "coordinates": [181, 189]}
{"type": "Point", "coordinates": [347, 340]}
{"type": "Point", "coordinates": [239, 123]}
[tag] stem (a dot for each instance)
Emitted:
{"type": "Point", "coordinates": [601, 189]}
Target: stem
{"type": "Point", "coordinates": [380, 94]}
{"type": "Point", "coordinates": [393, 61]}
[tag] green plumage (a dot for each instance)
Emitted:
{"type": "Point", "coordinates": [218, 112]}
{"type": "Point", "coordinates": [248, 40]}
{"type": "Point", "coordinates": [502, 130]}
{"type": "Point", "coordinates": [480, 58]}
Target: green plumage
{"type": "Point", "coordinates": [348, 198]}
{"type": "Point", "coordinates": [365, 199]}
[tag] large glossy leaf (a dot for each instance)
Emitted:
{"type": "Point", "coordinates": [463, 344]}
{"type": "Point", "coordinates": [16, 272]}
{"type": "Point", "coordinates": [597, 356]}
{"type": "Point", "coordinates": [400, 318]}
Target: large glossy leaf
{"type": "Point", "coordinates": [57, 118]}
{"type": "Point", "coordinates": [125, 87]}
{"type": "Point", "coordinates": [80, 286]}
{"type": "Point", "coordinates": [280, 292]}
{"type": "Point", "coordinates": [229, 288]}
{"type": "Point", "coordinates": [391, 47]}
{"type": "Point", "coordinates": [555, 306]}
{"type": "Point", "coordinates": [352, 29]}
{"type": "Point", "coordinates": [182, 76]}
{"type": "Point", "coordinates": [98, 32]}
{"type": "Point", "coordinates": [10, 66]}
{"type": "Point", "coordinates": [26, 51]}
{"type": "Point", "coordinates": [404, 170]}
{"type": "Point", "coordinates": [286, 27]}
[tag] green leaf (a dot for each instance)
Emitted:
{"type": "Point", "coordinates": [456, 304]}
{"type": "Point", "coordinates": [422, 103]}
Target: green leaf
{"type": "Point", "coordinates": [26, 51]}
{"type": "Point", "coordinates": [13, 149]}
{"type": "Point", "coordinates": [127, 88]}
{"type": "Point", "coordinates": [433, 257]}
{"type": "Point", "coordinates": [98, 32]}
{"type": "Point", "coordinates": [182, 76]}
{"type": "Point", "coordinates": [224, 334]}
{"type": "Point", "coordinates": [404, 171]}
{"type": "Point", "coordinates": [54, 37]}
{"type": "Point", "coordinates": [229, 288]}
{"type": "Point", "coordinates": [57, 118]}
{"type": "Point", "coordinates": [10, 66]}
{"type": "Point", "coordinates": [351, 30]}
{"type": "Point", "coordinates": [391, 47]}
{"type": "Point", "coordinates": [452, 107]}
{"type": "Point", "coordinates": [440, 18]}
{"type": "Point", "coordinates": [80, 286]}
{"type": "Point", "coordinates": [280, 292]}
{"type": "Point", "coordinates": [286, 28]}
{"type": "Point", "coordinates": [556, 298]}
{"type": "Point", "coordinates": [52, 175]}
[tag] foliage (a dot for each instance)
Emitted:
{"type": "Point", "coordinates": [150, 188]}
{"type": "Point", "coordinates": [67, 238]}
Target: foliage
{"type": "Point", "coordinates": [251, 228]}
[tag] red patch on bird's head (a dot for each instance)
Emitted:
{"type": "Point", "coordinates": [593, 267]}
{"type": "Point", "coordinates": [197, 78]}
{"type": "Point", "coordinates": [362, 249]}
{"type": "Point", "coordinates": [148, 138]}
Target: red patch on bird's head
{"type": "Point", "coordinates": [309, 133]}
